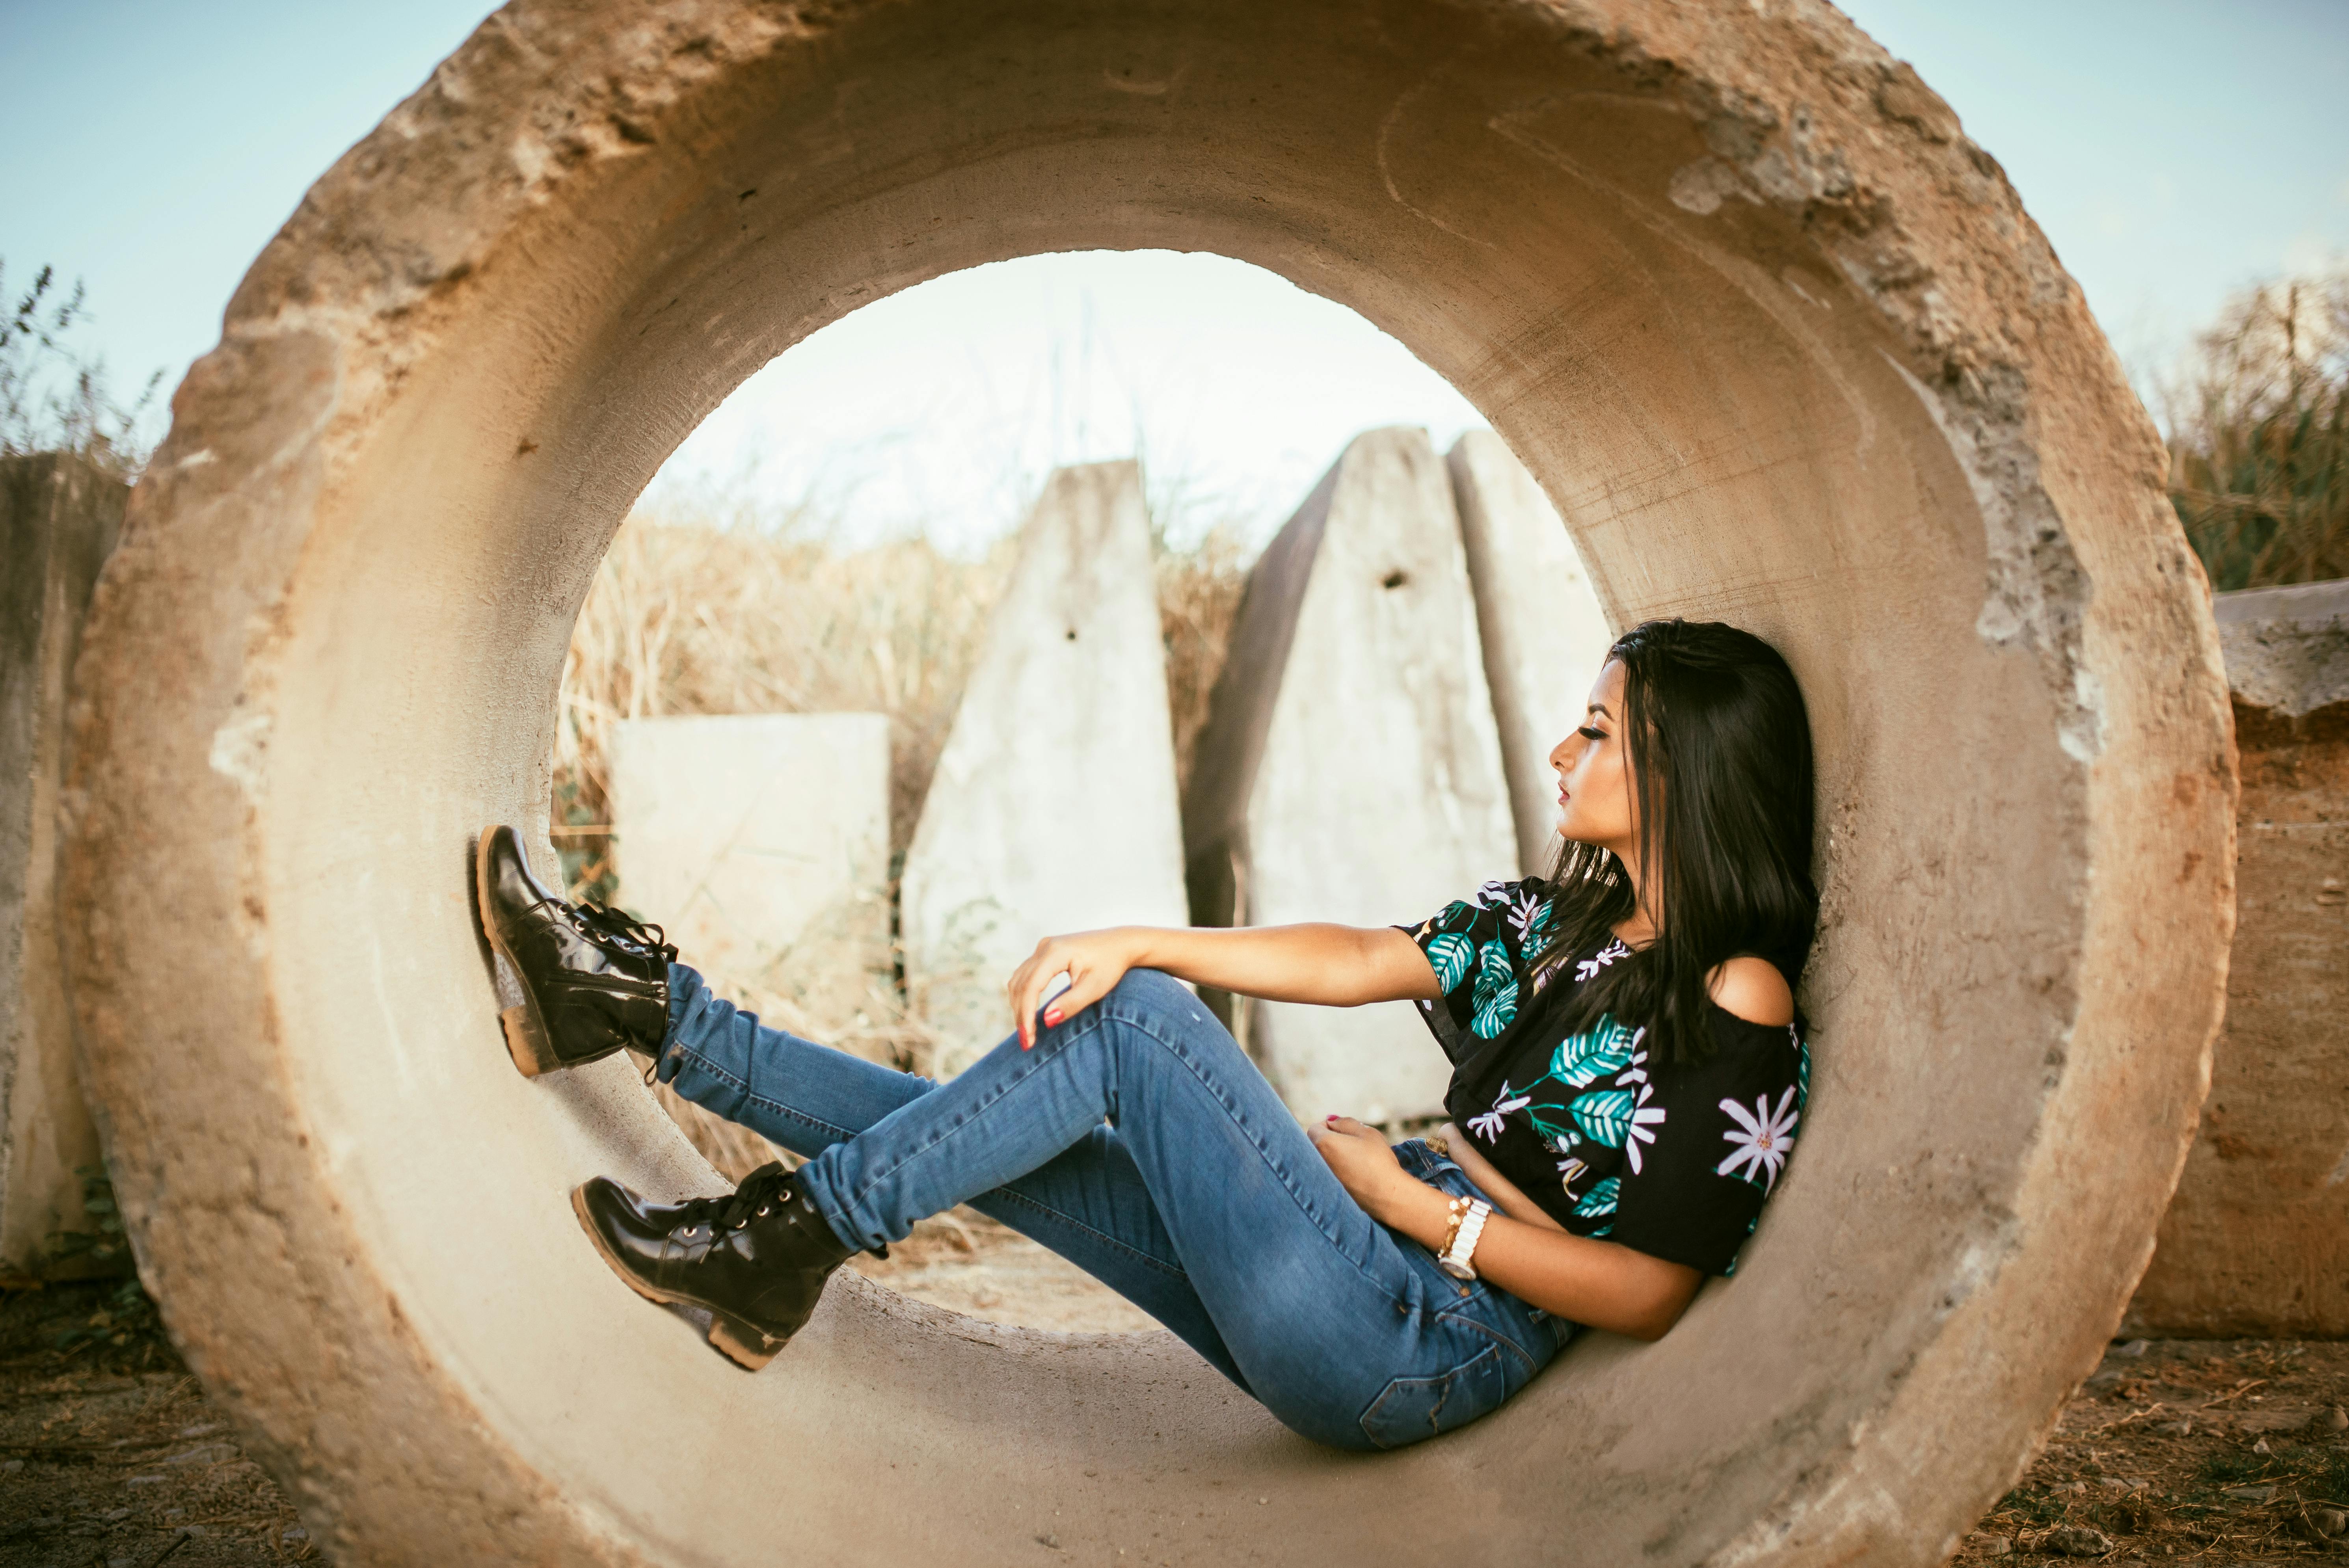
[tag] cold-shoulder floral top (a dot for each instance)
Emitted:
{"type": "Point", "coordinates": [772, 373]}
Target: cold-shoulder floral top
{"type": "Point", "coordinates": [1675, 1161]}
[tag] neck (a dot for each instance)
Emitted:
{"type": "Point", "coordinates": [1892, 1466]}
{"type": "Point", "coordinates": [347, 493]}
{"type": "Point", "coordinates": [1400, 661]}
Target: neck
{"type": "Point", "coordinates": [1638, 928]}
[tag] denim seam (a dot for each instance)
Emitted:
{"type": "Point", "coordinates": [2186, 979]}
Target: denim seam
{"type": "Point", "coordinates": [1496, 1337]}
{"type": "Point", "coordinates": [1007, 1195]}
{"type": "Point", "coordinates": [714, 1070]}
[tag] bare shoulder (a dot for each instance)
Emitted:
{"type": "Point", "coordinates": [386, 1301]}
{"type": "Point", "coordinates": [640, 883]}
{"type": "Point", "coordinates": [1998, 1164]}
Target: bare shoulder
{"type": "Point", "coordinates": [1753, 990]}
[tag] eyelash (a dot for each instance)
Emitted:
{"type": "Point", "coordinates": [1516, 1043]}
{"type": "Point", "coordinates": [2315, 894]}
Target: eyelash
{"type": "Point", "coordinates": [1589, 734]}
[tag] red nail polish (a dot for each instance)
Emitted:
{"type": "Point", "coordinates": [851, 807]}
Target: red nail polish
{"type": "Point", "coordinates": [1052, 1019]}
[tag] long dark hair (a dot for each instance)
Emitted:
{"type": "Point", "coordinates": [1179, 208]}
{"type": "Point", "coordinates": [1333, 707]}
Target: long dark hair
{"type": "Point", "coordinates": [1720, 746]}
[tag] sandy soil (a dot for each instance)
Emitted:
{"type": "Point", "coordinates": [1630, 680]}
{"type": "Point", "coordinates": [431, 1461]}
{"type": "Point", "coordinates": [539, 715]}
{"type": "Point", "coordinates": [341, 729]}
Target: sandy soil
{"type": "Point", "coordinates": [2175, 1452]}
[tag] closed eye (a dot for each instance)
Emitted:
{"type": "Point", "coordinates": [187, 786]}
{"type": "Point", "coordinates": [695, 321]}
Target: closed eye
{"type": "Point", "coordinates": [1589, 734]}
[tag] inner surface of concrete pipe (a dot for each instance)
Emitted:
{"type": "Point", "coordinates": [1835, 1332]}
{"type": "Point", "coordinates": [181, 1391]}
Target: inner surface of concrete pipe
{"type": "Point", "coordinates": [1776, 337]}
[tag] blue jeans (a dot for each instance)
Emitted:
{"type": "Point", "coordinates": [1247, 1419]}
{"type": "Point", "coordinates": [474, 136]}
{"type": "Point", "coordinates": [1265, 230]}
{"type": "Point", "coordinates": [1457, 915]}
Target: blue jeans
{"type": "Point", "coordinates": [1138, 1141]}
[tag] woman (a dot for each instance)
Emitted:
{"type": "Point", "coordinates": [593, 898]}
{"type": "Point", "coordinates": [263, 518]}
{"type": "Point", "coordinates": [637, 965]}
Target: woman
{"type": "Point", "coordinates": [1627, 1074]}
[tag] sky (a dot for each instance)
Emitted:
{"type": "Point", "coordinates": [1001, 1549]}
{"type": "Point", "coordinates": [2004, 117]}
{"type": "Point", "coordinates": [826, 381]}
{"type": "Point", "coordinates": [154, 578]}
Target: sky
{"type": "Point", "coordinates": [2175, 153]}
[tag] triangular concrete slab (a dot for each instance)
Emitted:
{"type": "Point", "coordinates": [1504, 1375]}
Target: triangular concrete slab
{"type": "Point", "coordinates": [1053, 806]}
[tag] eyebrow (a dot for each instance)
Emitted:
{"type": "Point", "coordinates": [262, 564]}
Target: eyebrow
{"type": "Point", "coordinates": [1598, 707]}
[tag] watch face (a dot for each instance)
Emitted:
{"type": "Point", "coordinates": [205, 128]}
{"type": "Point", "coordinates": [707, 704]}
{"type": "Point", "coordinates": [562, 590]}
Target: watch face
{"type": "Point", "coordinates": [1457, 1271]}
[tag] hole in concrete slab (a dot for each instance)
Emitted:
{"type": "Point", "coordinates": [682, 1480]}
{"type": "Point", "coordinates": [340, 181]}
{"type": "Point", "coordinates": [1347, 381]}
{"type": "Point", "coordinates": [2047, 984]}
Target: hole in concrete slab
{"type": "Point", "coordinates": [1394, 579]}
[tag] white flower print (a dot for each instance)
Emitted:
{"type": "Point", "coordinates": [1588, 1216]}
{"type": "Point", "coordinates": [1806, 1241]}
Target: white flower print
{"type": "Point", "coordinates": [1569, 1171]}
{"type": "Point", "coordinates": [1487, 1126]}
{"type": "Point", "coordinates": [1491, 893]}
{"type": "Point", "coordinates": [1526, 913]}
{"type": "Point", "coordinates": [1601, 960]}
{"type": "Point", "coordinates": [1645, 1120]}
{"type": "Point", "coordinates": [1761, 1139]}
{"type": "Point", "coordinates": [1637, 1071]}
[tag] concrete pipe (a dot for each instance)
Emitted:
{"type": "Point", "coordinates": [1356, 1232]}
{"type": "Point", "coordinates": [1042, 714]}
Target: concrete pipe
{"type": "Point", "coordinates": [1778, 340]}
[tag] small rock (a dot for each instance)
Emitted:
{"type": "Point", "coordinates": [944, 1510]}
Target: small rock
{"type": "Point", "coordinates": [2329, 1521]}
{"type": "Point", "coordinates": [2336, 1420]}
{"type": "Point", "coordinates": [200, 1429]}
{"type": "Point", "coordinates": [1991, 1545]}
{"type": "Point", "coordinates": [115, 1516]}
{"type": "Point", "coordinates": [2134, 1348]}
{"type": "Point", "coordinates": [294, 1532]}
{"type": "Point", "coordinates": [2123, 1482]}
{"type": "Point", "coordinates": [12, 1467]}
{"type": "Point", "coordinates": [208, 1453]}
{"type": "Point", "coordinates": [147, 1481]}
{"type": "Point", "coordinates": [1052, 1540]}
{"type": "Point", "coordinates": [2250, 1493]}
{"type": "Point", "coordinates": [2070, 1488]}
{"type": "Point", "coordinates": [2077, 1541]}
{"type": "Point", "coordinates": [2176, 1429]}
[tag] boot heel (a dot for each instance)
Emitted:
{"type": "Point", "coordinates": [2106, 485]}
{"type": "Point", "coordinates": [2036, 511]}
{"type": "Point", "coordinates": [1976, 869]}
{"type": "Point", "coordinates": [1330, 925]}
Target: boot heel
{"type": "Point", "coordinates": [740, 1342]}
{"type": "Point", "coordinates": [526, 1042]}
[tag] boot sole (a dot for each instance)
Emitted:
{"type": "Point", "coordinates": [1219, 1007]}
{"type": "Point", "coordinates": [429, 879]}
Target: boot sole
{"type": "Point", "coordinates": [748, 1347]}
{"type": "Point", "coordinates": [527, 1041]}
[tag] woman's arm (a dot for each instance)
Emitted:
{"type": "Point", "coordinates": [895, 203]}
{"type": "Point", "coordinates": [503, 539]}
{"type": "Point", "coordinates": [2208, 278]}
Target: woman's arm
{"type": "Point", "coordinates": [1596, 1284]}
{"type": "Point", "coordinates": [1333, 966]}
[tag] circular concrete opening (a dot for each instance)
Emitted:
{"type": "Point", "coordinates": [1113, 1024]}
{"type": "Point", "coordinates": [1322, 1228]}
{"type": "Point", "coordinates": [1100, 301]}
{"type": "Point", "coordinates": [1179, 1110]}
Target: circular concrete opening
{"type": "Point", "coordinates": [1778, 339]}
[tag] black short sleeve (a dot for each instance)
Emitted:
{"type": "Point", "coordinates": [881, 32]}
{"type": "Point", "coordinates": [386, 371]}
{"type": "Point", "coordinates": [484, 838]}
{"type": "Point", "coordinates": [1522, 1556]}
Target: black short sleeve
{"type": "Point", "coordinates": [1478, 947]}
{"type": "Point", "coordinates": [1695, 1189]}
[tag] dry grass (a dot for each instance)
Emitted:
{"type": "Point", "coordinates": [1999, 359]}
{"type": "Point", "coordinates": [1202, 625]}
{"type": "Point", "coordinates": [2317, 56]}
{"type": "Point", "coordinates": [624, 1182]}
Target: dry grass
{"type": "Point", "coordinates": [688, 618]}
{"type": "Point", "coordinates": [1198, 596]}
{"type": "Point", "coordinates": [2260, 438]}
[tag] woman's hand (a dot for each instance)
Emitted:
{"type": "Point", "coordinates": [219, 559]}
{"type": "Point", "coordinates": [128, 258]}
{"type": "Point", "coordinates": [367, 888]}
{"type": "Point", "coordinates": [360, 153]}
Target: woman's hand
{"type": "Point", "coordinates": [1094, 961]}
{"type": "Point", "coordinates": [1366, 1166]}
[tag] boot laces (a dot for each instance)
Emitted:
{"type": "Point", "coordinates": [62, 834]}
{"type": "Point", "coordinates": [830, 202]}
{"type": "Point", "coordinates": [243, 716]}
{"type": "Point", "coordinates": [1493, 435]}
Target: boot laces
{"type": "Point", "coordinates": [764, 1189]}
{"type": "Point", "coordinates": [630, 933]}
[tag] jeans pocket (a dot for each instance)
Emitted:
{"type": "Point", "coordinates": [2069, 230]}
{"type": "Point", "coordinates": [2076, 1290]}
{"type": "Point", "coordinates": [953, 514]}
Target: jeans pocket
{"type": "Point", "coordinates": [1411, 1408]}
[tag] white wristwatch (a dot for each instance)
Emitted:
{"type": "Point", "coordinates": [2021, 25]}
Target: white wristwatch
{"type": "Point", "coordinates": [1457, 1260]}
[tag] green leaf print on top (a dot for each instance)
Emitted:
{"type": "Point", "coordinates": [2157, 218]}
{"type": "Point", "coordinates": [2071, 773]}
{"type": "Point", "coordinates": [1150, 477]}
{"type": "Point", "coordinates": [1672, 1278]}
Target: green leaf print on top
{"type": "Point", "coordinates": [1604, 1115]}
{"type": "Point", "coordinates": [1599, 1202]}
{"type": "Point", "coordinates": [1600, 1051]}
{"type": "Point", "coordinates": [1450, 955]}
{"type": "Point", "coordinates": [1615, 1119]}
{"type": "Point", "coordinates": [1496, 992]}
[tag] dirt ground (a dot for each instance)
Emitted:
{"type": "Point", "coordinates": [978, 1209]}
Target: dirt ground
{"type": "Point", "coordinates": [2177, 1451]}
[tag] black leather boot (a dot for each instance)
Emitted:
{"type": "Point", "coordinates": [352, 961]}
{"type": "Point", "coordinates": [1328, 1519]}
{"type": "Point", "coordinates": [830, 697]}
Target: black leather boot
{"type": "Point", "coordinates": [756, 1262]}
{"type": "Point", "coordinates": [593, 981]}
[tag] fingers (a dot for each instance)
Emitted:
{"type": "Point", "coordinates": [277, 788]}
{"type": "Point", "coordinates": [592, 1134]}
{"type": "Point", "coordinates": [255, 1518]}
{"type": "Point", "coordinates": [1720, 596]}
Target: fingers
{"type": "Point", "coordinates": [1025, 990]}
{"type": "Point", "coordinates": [1088, 983]}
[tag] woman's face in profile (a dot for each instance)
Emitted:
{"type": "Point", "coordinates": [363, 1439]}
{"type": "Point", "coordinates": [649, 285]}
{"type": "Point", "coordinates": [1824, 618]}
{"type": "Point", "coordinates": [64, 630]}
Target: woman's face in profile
{"type": "Point", "coordinates": [1594, 771]}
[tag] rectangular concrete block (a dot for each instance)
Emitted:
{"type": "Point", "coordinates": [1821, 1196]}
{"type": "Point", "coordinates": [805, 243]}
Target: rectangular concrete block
{"type": "Point", "coordinates": [1543, 634]}
{"type": "Point", "coordinates": [760, 842]}
{"type": "Point", "coordinates": [1053, 807]}
{"type": "Point", "coordinates": [1351, 769]}
{"type": "Point", "coordinates": [2256, 1242]}
{"type": "Point", "coordinates": [58, 519]}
